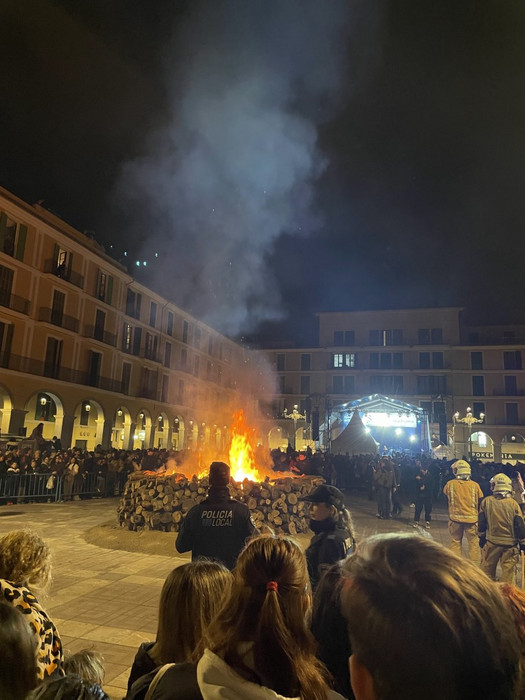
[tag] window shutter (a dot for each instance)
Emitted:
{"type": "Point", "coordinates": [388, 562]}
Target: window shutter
{"type": "Point", "coordinates": [21, 245]}
{"type": "Point", "coordinates": [109, 290]}
{"type": "Point", "coordinates": [3, 227]}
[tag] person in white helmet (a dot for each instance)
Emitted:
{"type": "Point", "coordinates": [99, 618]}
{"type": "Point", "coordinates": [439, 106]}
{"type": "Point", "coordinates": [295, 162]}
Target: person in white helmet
{"type": "Point", "coordinates": [464, 497]}
{"type": "Point", "coordinates": [502, 530]}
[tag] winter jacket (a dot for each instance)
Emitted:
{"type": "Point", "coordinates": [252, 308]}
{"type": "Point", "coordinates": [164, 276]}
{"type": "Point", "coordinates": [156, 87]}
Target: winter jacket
{"type": "Point", "coordinates": [142, 664]}
{"type": "Point", "coordinates": [218, 681]}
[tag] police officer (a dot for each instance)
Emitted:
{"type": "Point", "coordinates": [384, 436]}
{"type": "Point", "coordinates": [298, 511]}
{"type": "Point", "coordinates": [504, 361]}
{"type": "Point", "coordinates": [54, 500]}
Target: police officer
{"type": "Point", "coordinates": [218, 527]}
{"type": "Point", "coordinates": [501, 530]}
{"type": "Point", "coordinates": [333, 530]}
{"type": "Point", "coordinates": [464, 497]}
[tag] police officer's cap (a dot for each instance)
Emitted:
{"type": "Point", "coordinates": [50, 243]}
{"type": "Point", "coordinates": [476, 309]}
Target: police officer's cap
{"type": "Point", "coordinates": [325, 494]}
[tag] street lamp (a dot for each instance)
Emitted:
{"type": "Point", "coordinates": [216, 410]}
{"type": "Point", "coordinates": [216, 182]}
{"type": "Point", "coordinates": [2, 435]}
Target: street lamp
{"type": "Point", "coordinates": [295, 416]}
{"type": "Point", "coordinates": [470, 420]}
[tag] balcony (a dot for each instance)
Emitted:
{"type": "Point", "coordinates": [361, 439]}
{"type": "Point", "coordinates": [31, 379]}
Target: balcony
{"type": "Point", "coordinates": [28, 365]}
{"type": "Point", "coordinates": [64, 273]}
{"type": "Point", "coordinates": [58, 319]}
{"type": "Point", "coordinates": [14, 302]}
{"type": "Point", "coordinates": [101, 335]}
{"type": "Point", "coordinates": [145, 392]}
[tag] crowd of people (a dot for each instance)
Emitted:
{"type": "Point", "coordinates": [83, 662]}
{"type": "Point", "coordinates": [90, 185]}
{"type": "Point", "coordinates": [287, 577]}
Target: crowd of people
{"type": "Point", "coordinates": [390, 616]}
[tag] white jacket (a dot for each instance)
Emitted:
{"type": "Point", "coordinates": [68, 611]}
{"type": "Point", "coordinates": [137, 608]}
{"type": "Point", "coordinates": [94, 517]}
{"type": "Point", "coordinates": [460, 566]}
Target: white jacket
{"type": "Point", "coordinates": [218, 681]}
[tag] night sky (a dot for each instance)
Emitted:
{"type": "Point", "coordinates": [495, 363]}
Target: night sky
{"type": "Point", "coordinates": [280, 156]}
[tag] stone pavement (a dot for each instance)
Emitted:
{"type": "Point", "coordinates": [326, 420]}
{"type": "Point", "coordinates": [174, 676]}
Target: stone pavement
{"type": "Point", "coordinates": [107, 599]}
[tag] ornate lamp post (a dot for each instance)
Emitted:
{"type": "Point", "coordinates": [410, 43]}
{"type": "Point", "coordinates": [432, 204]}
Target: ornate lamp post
{"type": "Point", "coordinates": [295, 416]}
{"type": "Point", "coordinates": [470, 420]}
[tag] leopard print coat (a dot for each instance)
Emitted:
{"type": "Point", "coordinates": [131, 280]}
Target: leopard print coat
{"type": "Point", "coordinates": [49, 650]}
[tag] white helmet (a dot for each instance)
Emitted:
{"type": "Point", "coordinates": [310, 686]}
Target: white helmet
{"type": "Point", "coordinates": [501, 484]}
{"type": "Point", "coordinates": [461, 469]}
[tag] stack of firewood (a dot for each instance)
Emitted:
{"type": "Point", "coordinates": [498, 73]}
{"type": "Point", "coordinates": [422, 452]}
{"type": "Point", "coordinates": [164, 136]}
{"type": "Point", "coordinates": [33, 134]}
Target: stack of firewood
{"type": "Point", "coordinates": [161, 502]}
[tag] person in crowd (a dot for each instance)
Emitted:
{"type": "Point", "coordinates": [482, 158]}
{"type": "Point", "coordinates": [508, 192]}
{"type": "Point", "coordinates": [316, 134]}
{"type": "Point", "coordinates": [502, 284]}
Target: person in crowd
{"type": "Point", "coordinates": [218, 527]}
{"type": "Point", "coordinates": [329, 629]}
{"type": "Point", "coordinates": [18, 674]}
{"type": "Point", "coordinates": [425, 623]}
{"type": "Point", "coordinates": [191, 595]}
{"type": "Point", "coordinates": [518, 488]}
{"type": "Point", "coordinates": [397, 506]}
{"type": "Point", "coordinates": [88, 664]}
{"type": "Point", "coordinates": [70, 476]}
{"type": "Point", "coordinates": [515, 601]}
{"type": "Point", "coordinates": [384, 482]}
{"type": "Point", "coordinates": [331, 523]}
{"type": "Point", "coordinates": [501, 529]}
{"type": "Point", "coordinates": [463, 497]}
{"type": "Point", "coordinates": [259, 644]}
{"type": "Point", "coordinates": [68, 688]}
{"type": "Point", "coordinates": [423, 495]}
{"type": "Point", "coordinates": [38, 435]}
{"type": "Point", "coordinates": [25, 568]}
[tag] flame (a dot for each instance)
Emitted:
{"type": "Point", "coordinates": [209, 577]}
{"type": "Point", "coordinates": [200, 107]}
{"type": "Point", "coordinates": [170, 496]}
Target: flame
{"type": "Point", "coordinates": [242, 450]}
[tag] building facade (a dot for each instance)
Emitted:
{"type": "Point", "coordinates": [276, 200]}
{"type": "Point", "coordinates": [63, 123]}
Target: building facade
{"type": "Point", "coordinates": [436, 359]}
{"type": "Point", "coordinates": [96, 356]}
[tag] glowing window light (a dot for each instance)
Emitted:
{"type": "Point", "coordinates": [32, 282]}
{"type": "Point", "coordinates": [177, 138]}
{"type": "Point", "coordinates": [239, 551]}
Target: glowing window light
{"type": "Point", "coordinates": [482, 439]}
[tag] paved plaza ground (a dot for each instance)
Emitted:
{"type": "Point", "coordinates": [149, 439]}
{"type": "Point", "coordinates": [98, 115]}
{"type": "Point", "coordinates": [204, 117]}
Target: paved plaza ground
{"type": "Point", "coordinates": [107, 599]}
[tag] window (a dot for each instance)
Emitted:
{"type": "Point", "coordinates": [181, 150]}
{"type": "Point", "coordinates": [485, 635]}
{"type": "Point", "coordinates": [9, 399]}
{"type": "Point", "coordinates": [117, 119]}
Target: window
{"type": "Point", "coordinates": [183, 358]}
{"type": "Point", "coordinates": [511, 413]}
{"type": "Point", "coordinates": [100, 322]}
{"type": "Point", "coordinates": [338, 337]}
{"type": "Point", "coordinates": [281, 363]}
{"type": "Point", "coordinates": [426, 406]}
{"type": "Point", "coordinates": [167, 355]}
{"type": "Point", "coordinates": [45, 408]}
{"type": "Point", "coordinates": [12, 237]}
{"type": "Point", "coordinates": [337, 384]}
{"type": "Point", "coordinates": [152, 314]}
{"type": "Point", "coordinates": [150, 346]}
{"type": "Point", "coordinates": [374, 360]}
{"type": "Point", "coordinates": [126, 377]}
{"type": "Point", "coordinates": [305, 384]}
{"type": "Point", "coordinates": [210, 345]}
{"type": "Point", "coordinates": [430, 336]}
{"type": "Point", "coordinates": [133, 303]}
{"type": "Point", "coordinates": [53, 358]}
{"type": "Point", "coordinates": [511, 386]}
{"type": "Point", "coordinates": [196, 365]}
{"type": "Point", "coordinates": [512, 359]}
{"type": "Point", "coordinates": [280, 384]}
{"type": "Point", "coordinates": [478, 385]}
{"type": "Point", "coordinates": [6, 337]}
{"type": "Point", "coordinates": [57, 308]}
{"type": "Point", "coordinates": [185, 331]}
{"type": "Point", "coordinates": [476, 360]}
{"type": "Point", "coordinates": [349, 338]}
{"type": "Point", "coordinates": [437, 360]}
{"type": "Point", "coordinates": [349, 382]}
{"type": "Point", "coordinates": [104, 290]}
{"type": "Point", "coordinates": [424, 360]}
{"type": "Point", "coordinates": [127, 336]}
{"type": "Point", "coordinates": [397, 360]}
{"type": "Point", "coordinates": [197, 338]}
{"type": "Point", "coordinates": [478, 407]}
{"type": "Point", "coordinates": [164, 388]}
{"type": "Point", "coordinates": [137, 338]}
{"type": "Point", "coordinates": [436, 335]}
{"type": "Point", "coordinates": [95, 360]}
{"type": "Point", "coordinates": [385, 360]}
{"type": "Point", "coordinates": [386, 337]}
{"type": "Point", "coordinates": [169, 329]}
{"type": "Point", "coordinates": [346, 359]}
{"type": "Point", "coordinates": [305, 362]}
{"type": "Point", "coordinates": [431, 384]}
{"type": "Point", "coordinates": [6, 285]}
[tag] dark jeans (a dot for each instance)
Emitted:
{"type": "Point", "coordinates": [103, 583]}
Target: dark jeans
{"type": "Point", "coordinates": [423, 502]}
{"type": "Point", "coordinates": [384, 503]}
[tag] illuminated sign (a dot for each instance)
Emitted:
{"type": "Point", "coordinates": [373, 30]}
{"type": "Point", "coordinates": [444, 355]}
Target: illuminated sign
{"type": "Point", "coordinates": [389, 420]}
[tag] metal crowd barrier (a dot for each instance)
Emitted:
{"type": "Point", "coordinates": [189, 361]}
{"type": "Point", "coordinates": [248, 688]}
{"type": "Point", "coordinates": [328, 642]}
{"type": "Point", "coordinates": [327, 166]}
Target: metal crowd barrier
{"type": "Point", "coordinates": [24, 488]}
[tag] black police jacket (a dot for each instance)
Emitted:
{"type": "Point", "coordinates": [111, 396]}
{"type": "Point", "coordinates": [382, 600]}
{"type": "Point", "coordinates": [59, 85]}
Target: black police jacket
{"type": "Point", "coordinates": [216, 528]}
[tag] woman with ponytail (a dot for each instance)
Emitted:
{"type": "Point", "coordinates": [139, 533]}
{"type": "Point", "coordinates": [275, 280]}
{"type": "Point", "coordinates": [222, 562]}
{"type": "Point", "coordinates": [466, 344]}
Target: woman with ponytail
{"type": "Point", "coordinates": [260, 645]}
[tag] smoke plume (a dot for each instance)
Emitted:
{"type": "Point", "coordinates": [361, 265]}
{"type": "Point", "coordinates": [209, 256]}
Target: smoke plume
{"type": "Point", "coordinates": [235, 167]}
